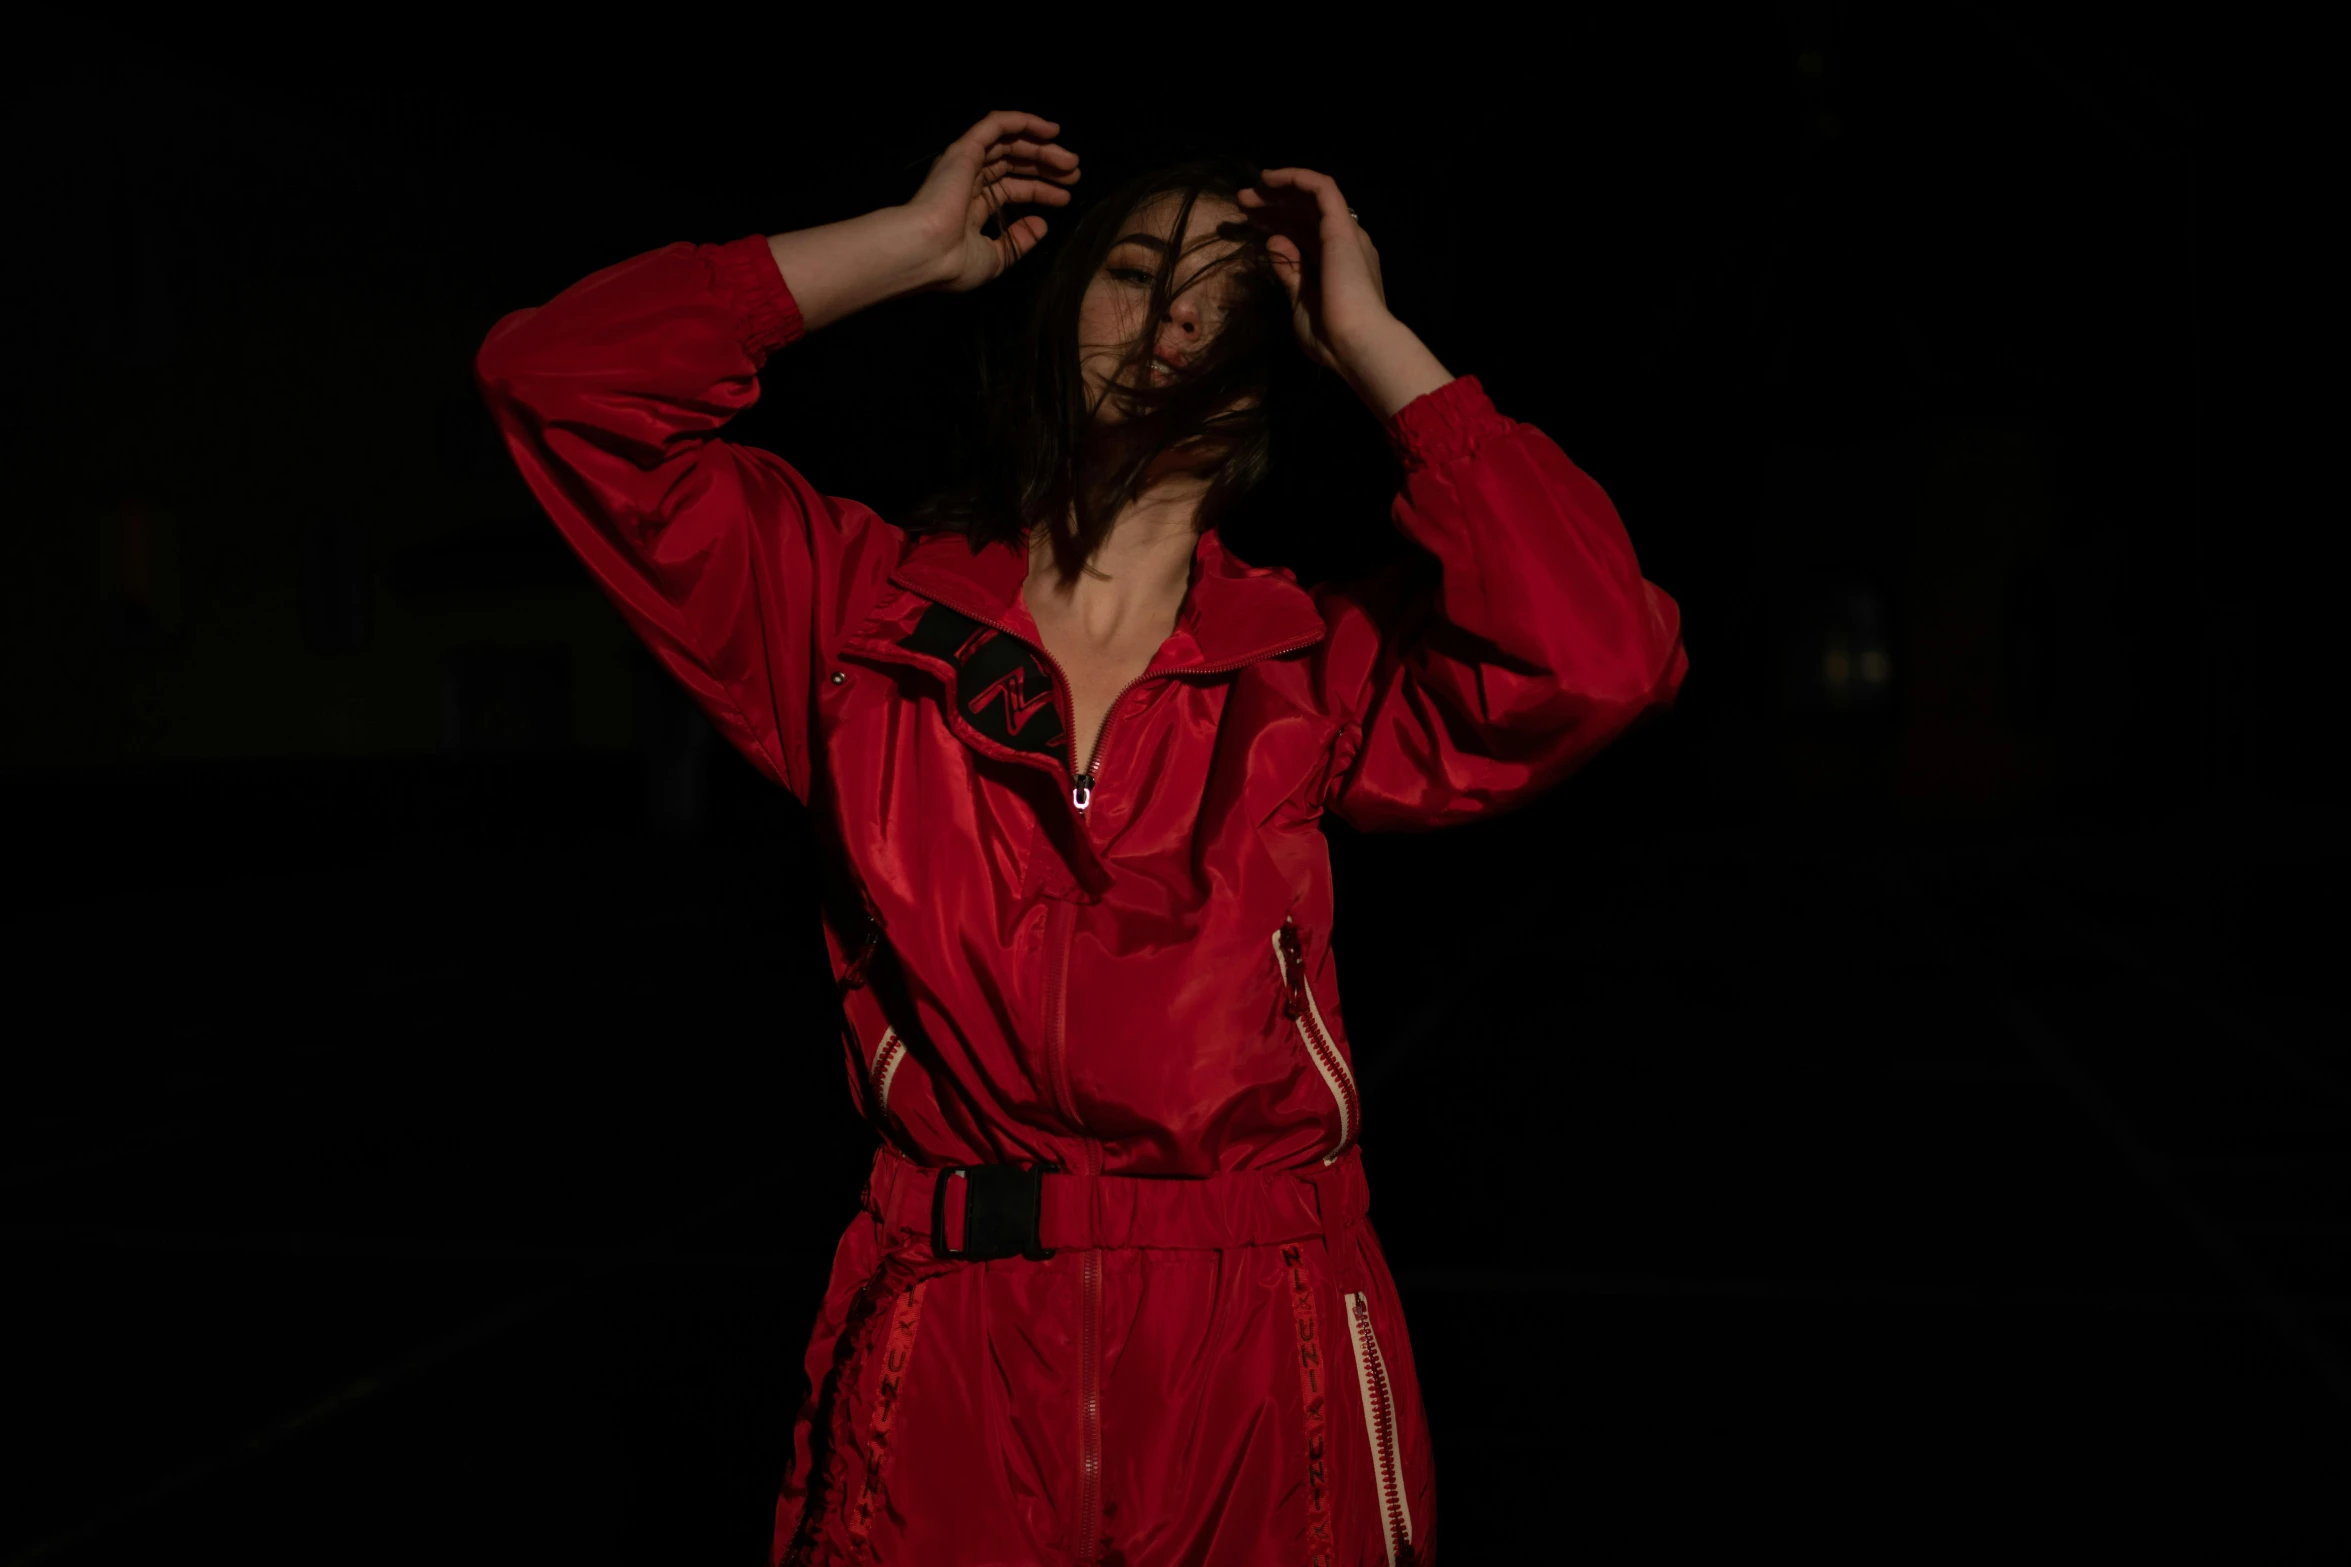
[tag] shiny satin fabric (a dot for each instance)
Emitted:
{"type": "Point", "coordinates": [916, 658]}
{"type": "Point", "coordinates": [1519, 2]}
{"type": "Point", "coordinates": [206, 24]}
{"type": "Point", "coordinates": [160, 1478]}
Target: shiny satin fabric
{"type": "Point", "coordinates": [1212, 1448]}
{"type": "Point", "coordinates": [1133, 979]}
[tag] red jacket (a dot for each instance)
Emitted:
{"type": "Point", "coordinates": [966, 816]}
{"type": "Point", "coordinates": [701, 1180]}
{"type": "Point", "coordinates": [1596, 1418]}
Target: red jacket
{"type": "Point", "coordinates": [1141, 986]}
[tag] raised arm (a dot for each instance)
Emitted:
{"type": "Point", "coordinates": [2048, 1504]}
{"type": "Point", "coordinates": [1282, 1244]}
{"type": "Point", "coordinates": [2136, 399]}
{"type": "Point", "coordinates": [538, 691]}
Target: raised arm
{"type": "Point", "coordinates": [1535, 640]}
{"type": "Point", "coordinates": [737, 573]}
{"type": "Point", "coordinates": [1533, 643]}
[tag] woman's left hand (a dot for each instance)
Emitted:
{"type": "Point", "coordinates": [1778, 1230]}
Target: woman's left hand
{"type": "Point", "coordinates": [1326, 262]}
{"type": "Point", "coordinates": [1331, 270]}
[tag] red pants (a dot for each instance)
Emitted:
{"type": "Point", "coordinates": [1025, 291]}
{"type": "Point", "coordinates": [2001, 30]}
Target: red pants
{"type": "Point", "coordinates": [1207, 1372]}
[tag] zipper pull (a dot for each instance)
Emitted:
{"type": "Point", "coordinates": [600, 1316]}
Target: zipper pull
{"type": "Point", "coordinates": [1081, 791]}
{"type": "Point", "coordinates": [1293, 970]}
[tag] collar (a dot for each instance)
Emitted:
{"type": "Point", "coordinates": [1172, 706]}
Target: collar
{"type": "Point", "coordinates": [1233, 613]}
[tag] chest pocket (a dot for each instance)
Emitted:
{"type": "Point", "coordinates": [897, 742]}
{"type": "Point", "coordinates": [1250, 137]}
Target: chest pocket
{"type": "Point", "coordinates": [1001, 689]}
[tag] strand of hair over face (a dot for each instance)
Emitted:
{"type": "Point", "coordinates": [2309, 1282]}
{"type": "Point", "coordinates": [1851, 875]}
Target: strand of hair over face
{"type": "Point", "coordinates": [1052, 463]}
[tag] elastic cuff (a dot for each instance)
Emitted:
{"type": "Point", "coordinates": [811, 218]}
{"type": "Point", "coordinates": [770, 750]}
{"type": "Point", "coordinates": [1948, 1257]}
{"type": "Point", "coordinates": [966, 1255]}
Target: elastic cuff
{"type": "Point", "coordinates": [745, 276]}
{"type": "Point", "coordinates": [1446, 423]}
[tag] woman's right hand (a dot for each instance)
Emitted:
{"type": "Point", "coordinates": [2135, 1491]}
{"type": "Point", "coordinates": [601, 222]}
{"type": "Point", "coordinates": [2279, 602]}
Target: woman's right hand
{"type": "Point", "coordinates": [1006, 159]}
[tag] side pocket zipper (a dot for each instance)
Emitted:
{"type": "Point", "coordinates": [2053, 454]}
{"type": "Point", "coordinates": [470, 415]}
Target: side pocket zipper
{"type": "Point", "coordinates": [886, 1057]}
{"type": "Point", "coordinates": [892, 1049]}
{"type": "Point", "coordinates": [1379, 1424]}
{"type": "Point", "coordinates": [1289, 951]}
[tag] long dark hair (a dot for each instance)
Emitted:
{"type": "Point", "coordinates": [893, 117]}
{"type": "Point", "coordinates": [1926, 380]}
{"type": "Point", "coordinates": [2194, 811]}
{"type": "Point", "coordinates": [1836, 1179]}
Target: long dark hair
{"type": "Point", "coordinates": [1047, 462]}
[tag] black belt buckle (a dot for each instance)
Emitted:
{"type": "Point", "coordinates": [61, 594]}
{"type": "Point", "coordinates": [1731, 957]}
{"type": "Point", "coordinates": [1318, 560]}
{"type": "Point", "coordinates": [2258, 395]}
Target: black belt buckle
{"type": "Point", "coordinates": [1002, 1204]}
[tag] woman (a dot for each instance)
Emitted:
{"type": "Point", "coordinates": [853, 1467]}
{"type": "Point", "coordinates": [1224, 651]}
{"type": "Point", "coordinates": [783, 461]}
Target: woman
{"type": "Point", "coordinates": [1112, 1297]}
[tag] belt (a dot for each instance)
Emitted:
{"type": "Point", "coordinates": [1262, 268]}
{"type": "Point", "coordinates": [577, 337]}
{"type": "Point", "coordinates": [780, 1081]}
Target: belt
{"type": "Point", "coordinates": [984, 1211]}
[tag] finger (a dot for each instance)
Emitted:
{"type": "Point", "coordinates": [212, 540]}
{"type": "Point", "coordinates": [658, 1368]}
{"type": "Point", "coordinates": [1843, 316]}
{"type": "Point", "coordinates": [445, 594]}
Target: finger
{"type": "Point", "coordinates": [1005, 123]}
{"type": "Point", "coordinates": [1034, 155]}
{"type": "Point", "coordinates": [1017, 241]}
{"type": "Point", "coordinates": [999, 194]}
{"type": "Point", "coordinates": [1051, 152]}
{"type": "Point", "coordinates": [1006, 168]}
{"type": "Point", "coordinates": [1282, 211]}
{"type": "Point", "coordinates": [1287, 179]}
{"type": "Point", "coordinates": [1272, 198]}
{"type": "Point", "coordinates": [996, 168]}
{"type": "Point", "coordinates": [1328, 199]}
{"type": "Point", "coordinates": [1305, 184]}
{"type": "Point", "coordinates": [1294, 210]}
{"type": "Point", "coordinates": [1288, 265]}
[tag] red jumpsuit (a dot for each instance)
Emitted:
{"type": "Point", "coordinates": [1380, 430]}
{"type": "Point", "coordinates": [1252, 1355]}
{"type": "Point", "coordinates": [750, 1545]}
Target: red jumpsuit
{"type": "Point", "coordinates": [1179, 1343]}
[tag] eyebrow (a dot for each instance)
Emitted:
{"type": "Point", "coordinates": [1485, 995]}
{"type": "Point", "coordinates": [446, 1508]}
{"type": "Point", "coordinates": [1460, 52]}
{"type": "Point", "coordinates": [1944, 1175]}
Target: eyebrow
{"type": "Point", "coordinates": [1154, 242]}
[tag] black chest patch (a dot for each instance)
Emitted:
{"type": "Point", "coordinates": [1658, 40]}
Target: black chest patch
{"type": "Point", "coordinates": [1003, 688]}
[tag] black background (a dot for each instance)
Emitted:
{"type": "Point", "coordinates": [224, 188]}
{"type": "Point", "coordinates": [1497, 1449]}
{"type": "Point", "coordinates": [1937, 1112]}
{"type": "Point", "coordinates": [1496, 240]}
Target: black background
{"type": "Point", "coordinates": [1885, 1120]}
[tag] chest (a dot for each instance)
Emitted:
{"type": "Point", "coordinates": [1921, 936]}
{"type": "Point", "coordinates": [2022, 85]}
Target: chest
{"type": "Point", "coordinates": [1098, 673]}
{"type": "Point", "coordinates": [918, 748]}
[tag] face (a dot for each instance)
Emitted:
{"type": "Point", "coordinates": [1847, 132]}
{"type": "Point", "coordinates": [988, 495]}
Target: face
{"type": "Point", "coordinates": [1111, 317]}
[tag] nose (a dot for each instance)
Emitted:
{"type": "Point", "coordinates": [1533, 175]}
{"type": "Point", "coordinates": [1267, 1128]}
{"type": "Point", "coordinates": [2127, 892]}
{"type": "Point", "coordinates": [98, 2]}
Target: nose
{"type": "Point", "coordinates": [1181, 328]}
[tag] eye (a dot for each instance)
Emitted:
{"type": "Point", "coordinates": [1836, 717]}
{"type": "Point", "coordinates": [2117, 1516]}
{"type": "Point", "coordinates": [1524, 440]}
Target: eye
{"type": "Point", "coordinates": [1129, 275]}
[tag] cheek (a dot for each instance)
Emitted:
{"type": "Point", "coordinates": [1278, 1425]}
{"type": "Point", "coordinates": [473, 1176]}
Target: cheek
{"type": "Point", "coordinates": [1105, 319]}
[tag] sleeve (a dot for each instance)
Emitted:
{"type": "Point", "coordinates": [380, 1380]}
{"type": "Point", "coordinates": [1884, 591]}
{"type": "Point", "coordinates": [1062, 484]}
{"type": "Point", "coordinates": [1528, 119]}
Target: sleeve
{"type": "Point", "coordinates": [723, 558]}
{"type": "Point", "coordinates": [1472, 677]}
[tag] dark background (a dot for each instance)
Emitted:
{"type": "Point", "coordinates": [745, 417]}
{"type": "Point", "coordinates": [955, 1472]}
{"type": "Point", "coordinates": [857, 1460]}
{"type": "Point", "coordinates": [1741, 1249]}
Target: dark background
{"type": "Point", "coordinates": [1893, 1109]}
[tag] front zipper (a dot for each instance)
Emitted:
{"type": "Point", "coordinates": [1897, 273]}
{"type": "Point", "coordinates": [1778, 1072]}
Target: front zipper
{"type": "Point", "coordinates": [1085, 1521]}
{"type": "Point", "coordinates": [1082, 785]}
{"type": "Point", "coordinates": [1060, 930]}
{"type": "Point", "coordinates": [1379, 1424]}
{"type": "Point", "coordinates": [1061, 918]}
{"type": "Point", "coordinates": [886, 1059]}
{"type": "Point", "coordinates": [1289, 951]}
{"type": "Point", "coordinates": [1089, 1519]}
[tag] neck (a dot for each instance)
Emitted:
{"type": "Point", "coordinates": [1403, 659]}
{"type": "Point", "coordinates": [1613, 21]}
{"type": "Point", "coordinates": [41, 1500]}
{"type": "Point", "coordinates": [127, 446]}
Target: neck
{"type": "Point", "coordinates": [1141, 571]}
